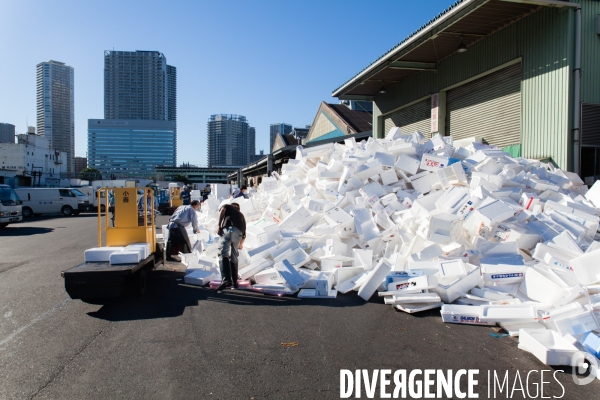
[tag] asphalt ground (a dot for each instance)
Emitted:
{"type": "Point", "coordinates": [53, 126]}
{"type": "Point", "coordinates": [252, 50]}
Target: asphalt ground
{"type": "Point", "coordinates": [180, 341]}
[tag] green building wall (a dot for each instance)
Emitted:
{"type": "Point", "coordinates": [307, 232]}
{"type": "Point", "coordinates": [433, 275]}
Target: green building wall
{"type": "Point", "coordinates": [544, 43]}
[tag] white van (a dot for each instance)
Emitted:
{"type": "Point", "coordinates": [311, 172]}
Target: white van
{"type": "Point", "coordinates": [52, 201]}
{"type": "Point", "coordinates": [10, 206]}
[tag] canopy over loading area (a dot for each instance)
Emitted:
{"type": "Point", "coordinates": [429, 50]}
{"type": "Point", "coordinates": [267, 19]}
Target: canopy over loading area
{"type": "Point", "coordinates": [455, 29]}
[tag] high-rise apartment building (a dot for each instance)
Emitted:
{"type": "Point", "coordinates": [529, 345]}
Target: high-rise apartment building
{"type": "Point", "coordinates": [56, 107]}
{"type": "Point", "coordinates": [139, 131]}
{"type": "Point", "coordinates": [7, 133]}
{"type": "Point", "coordinates": [139, 85]}
{"type": "Point", "coordinates": [281, 129]}
{"type": "Point", "coordinates": [227, 140]}
{"type": "Point", "coordinates": [251, 143]}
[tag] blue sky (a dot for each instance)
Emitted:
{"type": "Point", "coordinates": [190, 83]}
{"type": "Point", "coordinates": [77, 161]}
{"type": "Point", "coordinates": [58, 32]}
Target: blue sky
{"type": "Point", "coordinates": [271, 61]}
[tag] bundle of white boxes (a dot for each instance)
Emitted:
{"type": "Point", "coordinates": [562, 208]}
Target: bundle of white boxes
{"type": "Point", "coordinates": [428, 223]}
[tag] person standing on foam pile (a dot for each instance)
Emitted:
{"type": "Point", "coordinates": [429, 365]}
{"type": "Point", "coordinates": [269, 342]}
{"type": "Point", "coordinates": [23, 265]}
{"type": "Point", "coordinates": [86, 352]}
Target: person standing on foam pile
{"type": "Point", "coordinates": [232, 229]}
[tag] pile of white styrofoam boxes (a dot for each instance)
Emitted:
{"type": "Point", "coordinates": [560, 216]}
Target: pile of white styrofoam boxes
{"type": "Point", "coordinates": [490, 238]}
{"type": "Point", "coordinates": [132, 254]}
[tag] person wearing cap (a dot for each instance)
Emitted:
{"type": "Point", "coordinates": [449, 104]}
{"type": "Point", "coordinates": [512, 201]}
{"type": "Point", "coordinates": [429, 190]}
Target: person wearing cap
{"type": "Point", "coordinates": [232, 229]}
{"type": "Point", "coordinates": [186, 196]}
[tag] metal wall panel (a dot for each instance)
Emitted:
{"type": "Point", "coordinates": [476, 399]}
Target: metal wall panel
{"type": "Point", "coordinates": [590, 52]}
{"type": "Point", "coordinates": [489, 107]}
{"type": "Point", "coordinates": [590, 125]}
{"type": "Point", "coordinates": [544, 41]}
{"type": "Point", "coordinates": [410, 119]}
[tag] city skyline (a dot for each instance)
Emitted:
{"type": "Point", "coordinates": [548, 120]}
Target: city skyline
{"type": "Point", "coordinates": [272, 83]}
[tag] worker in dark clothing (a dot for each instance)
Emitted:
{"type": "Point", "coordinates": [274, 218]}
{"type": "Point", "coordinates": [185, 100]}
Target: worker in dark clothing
{"type": "Point", "coordinates": [239, 193]}
{"type": "Point", "coordinates": [186, 196]}
{"type": "Point", "coordinates": [178, 237]}
{"type": "Point", "coordinates": [232, 229]}
{"type": "Point", "coordinates": [205, 192]}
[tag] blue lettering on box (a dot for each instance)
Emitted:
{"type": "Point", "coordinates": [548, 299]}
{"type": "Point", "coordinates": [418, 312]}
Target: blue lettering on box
{"type": "Point", "coordinates": [501, 276]}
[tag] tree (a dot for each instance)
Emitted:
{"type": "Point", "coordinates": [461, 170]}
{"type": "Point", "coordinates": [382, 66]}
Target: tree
{"type": "Point", "coordinates": [90, 174]}
{"type": "Point", "coordinates": [181, 178]}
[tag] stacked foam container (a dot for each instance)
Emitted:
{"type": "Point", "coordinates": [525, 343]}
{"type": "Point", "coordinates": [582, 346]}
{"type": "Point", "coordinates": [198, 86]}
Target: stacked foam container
{"type": "Point", "coordinates": [427, 223]}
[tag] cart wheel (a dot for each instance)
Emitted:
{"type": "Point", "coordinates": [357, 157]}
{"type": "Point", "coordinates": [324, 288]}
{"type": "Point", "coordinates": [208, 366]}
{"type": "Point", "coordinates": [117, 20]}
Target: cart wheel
{"type": "Point", "coordinates": [141, 282]}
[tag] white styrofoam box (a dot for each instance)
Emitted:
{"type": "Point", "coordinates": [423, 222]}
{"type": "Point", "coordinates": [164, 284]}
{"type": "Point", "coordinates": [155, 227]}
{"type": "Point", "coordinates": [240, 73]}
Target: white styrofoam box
{"type": "Point", "coordinates": [512, 312]}
{"type": "Point", "coordinates": [549, 317]}
{"type": "Point", "coordinates": [268, 276]}
{"type": "Point", "coordinates": [345, 273]}
{"type": "Point", "coordinates": [503, 269]}
{"type": "Point", "coordinates": [430, 162]}
{"type": "Point", "coordinates": [262, 251]}
{"type": "Point", "coordinates": [144, 246]}
{"type": "Point", "coordinates": [389, 177]}
{"type": "Point", "coordinates": [297, 257]}
{"type": "Point", "coordinates": [512, 328]}
{"type": "Point", "coordinates": [318, 205]}
{"type": "Point", "coordinates": [324, 283]}
{"type": "Point", "coordinates": [254, 268]}
{"type": "Point", "coordinates": [548, 346]}
{"type": "Point", "coordinates": [386, 159]}
{"type": "Point", "coordinates": [283, 247]}
{"type": "Point", "coordinates": [100, 254]}
{"type": "Point", "coordinates": [335, 247]}
{"type": "Point", "coordinates": [312, 294]}
{"type": "Point", "coordinates": [443, 227]}
{"type": "Point", "coordinates": [398, 281]}
{"type": "Point", "coordinates": [461, 314]}
{"type": "Point", "coordinates": [407, 164]}
{"type": "Point", "coordinates": [489, 294]}
{"type": "Point", "coordinates": [424, 182]}
{"type": "Point", "coordinates": [412, 308]}
{"type": "Point", "coordinates": [353, 283]}
{"type": "Point", "coordinates": [126, 257]}
{"type": "Point", "coordinates": [525, 238]}
{"type": "Point", "coordinates": [587, 267]}
{"type": "Point", "coordinates": [426, 254]}
{"type": "Point", "coordinates": [577, 324]}
{"type": "Point", "coordinates": [593, 195]}
{"type": "Point", "coordinates": [337, 216]}
{"type": "Point", "coordinates": [452, 199]}
{"type": "Point", "coordinates": [452, 269]}
{"type": "Point", "coordinates": [411, 298]}
{"type": "Point", "coordinates": [364, 172]}
{"type": "Point", "coordinates": [201, 277]}
{"type": "Point", "coordinates": [298, 221]}
{"type": "Point", "coordinates": [363, 258]}
{"type": "Point", "coordinates": [374, 279]}
{"type": "Point", "coordinates": [452, 175]}
{"type": "Point", "coordinates": [450, 290]}
{"type": "Point", "coordinates": [539, 287]}
{"type": "Point", "coordinates": [291, 276]}
{"type": "Point", "coordinates": [568, 295]}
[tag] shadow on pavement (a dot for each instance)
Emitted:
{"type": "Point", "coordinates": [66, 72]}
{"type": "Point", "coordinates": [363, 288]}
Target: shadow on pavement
{"type": "Point", "coordinates": [16, 230]}
{"type": "Point", "coordinates": [167, 296]}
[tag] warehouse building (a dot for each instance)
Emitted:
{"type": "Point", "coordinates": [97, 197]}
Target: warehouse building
{"type": "Point", "coordinates": [520, 74]}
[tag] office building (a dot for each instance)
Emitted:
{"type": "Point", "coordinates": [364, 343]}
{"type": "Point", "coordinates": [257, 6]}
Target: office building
{"type": "Point", "coordinates": [130, 148]}
{"type": "Point", "coordinates": [56, 107]}
{"type": "Point", "coordinates": [278, 129]}
{"type": "Point", "coordinates": [227, 141]}
{"type": "Point", "coordinates": [80, 163]}
{"type": "Point", "coordinates": [251, 142]}
{"type": "Point", "coordinates": [7, 133]}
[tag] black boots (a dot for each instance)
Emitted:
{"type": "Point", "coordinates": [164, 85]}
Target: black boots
{"type": "Point", "coordinates": [234, 274]}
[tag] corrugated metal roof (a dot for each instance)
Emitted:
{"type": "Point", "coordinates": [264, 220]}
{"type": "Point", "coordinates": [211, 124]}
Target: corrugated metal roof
{"type": "Point", "coordinates": [431, 21]}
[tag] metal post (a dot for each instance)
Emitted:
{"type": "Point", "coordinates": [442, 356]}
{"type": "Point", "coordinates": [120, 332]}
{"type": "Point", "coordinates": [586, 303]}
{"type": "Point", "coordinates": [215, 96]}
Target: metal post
{"type": "Point", "coordinates": [577, 94]}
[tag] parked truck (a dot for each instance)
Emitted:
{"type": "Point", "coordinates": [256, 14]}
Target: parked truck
{"type": "Point", "coordinates": [10, 206]}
